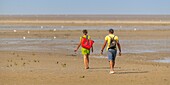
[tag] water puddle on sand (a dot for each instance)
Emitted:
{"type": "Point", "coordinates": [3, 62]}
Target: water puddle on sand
{"type": "Point", "coordinates": [165, 60]}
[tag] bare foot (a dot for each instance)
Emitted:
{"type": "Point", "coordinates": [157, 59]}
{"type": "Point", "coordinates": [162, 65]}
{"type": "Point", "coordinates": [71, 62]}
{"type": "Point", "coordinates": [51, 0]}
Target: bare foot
{"type": "Point", "coordinates": [112, 72]}
{"type": "Point", "coordinates": [87, 68]}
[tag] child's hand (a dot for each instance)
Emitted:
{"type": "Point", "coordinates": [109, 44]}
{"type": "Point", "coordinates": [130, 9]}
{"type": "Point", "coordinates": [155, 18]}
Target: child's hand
{"type": "Point", "coordinates": [120, 53]}
{"type": "Point", "coordinates": [101, 52]}
{"type": "Point", "coordinates": [75, 50]}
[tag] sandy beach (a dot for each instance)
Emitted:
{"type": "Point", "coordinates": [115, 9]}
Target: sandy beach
{"type": "Point", "coordinates": [41, 42]}
{"type": "Point", "coordinates": [39, 50]}
{"type": "Point", "coordinates": [61, 66]}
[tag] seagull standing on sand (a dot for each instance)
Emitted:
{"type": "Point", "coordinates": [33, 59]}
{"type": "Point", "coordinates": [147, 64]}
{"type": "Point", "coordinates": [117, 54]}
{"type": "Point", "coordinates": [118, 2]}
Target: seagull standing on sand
{"type": "Point", "coordinates": [134, 29]}
{"type": "Point", "coordinates": [41, 27]}
{"type": "Point", "coordinates": [28, 32]}
{"type": "Point", "coordinates": [15, 30]}
{"type": "Point", "coordinates": [24, 37]}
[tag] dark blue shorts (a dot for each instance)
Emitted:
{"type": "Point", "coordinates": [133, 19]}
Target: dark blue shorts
{"type": "Point", "coordinates": [112, 54]}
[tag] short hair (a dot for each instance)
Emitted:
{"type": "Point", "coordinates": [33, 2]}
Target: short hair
{"type": "Point", "coordinates": [111, 30]}
{"type": "Point", "coordinates": [85, 31]}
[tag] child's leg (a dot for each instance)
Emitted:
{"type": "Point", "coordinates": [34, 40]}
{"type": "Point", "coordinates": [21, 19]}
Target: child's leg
{"type": "Point", "coordinates": [86, 61]}
{"type": "Point", "coordinates": [112, 64]}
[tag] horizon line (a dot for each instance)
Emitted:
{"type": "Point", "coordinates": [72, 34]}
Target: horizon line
{"type": "Point", "coordinates": [81, 14]}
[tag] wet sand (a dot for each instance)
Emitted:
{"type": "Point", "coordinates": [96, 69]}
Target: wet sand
{"type": "Point", "coordinates": [21, 65]}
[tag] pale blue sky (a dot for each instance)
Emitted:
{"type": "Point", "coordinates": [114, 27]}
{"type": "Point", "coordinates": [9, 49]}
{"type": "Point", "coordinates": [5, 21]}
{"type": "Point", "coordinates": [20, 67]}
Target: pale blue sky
{"type": "Point", "coordinates": [84, 7]}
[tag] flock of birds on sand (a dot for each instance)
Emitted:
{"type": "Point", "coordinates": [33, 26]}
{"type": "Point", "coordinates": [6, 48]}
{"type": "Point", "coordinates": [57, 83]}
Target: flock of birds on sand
{"type": "Point", "coordinates": [56, 30]}
{"type": "Point", "coordinates": [41, 28]}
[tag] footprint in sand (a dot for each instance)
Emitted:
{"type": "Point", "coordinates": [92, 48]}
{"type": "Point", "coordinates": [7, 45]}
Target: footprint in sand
{"type": "Point", "coordinates": [22, 59]}
{"type": "Point", "coordinates": [63, 65]}
{"type": "Point", "coordinates": [36, 61]}
{"type": "Point", "coordinates": [82, 76]}
{"type": "Point", "coordinates": [15, 64]}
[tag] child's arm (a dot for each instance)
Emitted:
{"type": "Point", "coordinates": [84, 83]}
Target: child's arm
{"type": "Point", "coordinates": [77, 47]}
{"type": "Point", "coordinates": [119, 48]}
{"type": "Point", "coordinates": [92, 49]}
{"type": "Point", "coordinates": [104, 45]}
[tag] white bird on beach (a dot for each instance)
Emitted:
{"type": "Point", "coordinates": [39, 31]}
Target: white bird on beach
{"type": "Point", "coordinates": [24, 37]}
{"type": "Point", "coordinates": [28, 32]}
{"type": "Point", "coordinates": [15, 30]}
{"type": "Point", "coordinates": [135, 29]}
{"type": "Point", "coordinates": [54, 37]}
{"type": "Point", "coordinates": [41, 27]}
{"type": "Point", "coordinates": [54, 29]}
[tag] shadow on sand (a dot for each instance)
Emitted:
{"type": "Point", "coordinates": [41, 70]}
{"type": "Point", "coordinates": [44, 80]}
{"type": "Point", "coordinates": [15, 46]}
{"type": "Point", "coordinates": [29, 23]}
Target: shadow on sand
{"type": "Point", "coordinates": [132, 72]}
{"type": "Point", "coordinates": [103, 68]}
{"type": "Point", "coordinates": [100, 68]}
{"type": "Point", "coordinates": [120, 71]}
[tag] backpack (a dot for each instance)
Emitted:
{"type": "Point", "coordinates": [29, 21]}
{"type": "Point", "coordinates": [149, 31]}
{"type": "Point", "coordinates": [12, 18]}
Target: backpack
{"type": "Point", "coordinates": [112, 43]}
{"type": "Point", "coordinates": [86, 43]}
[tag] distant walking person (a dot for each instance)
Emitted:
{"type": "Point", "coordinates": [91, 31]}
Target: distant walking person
{"type": "Point", "coordinates": [112, 42]}
{"type": "Point", "coordinates": [86, 46]}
